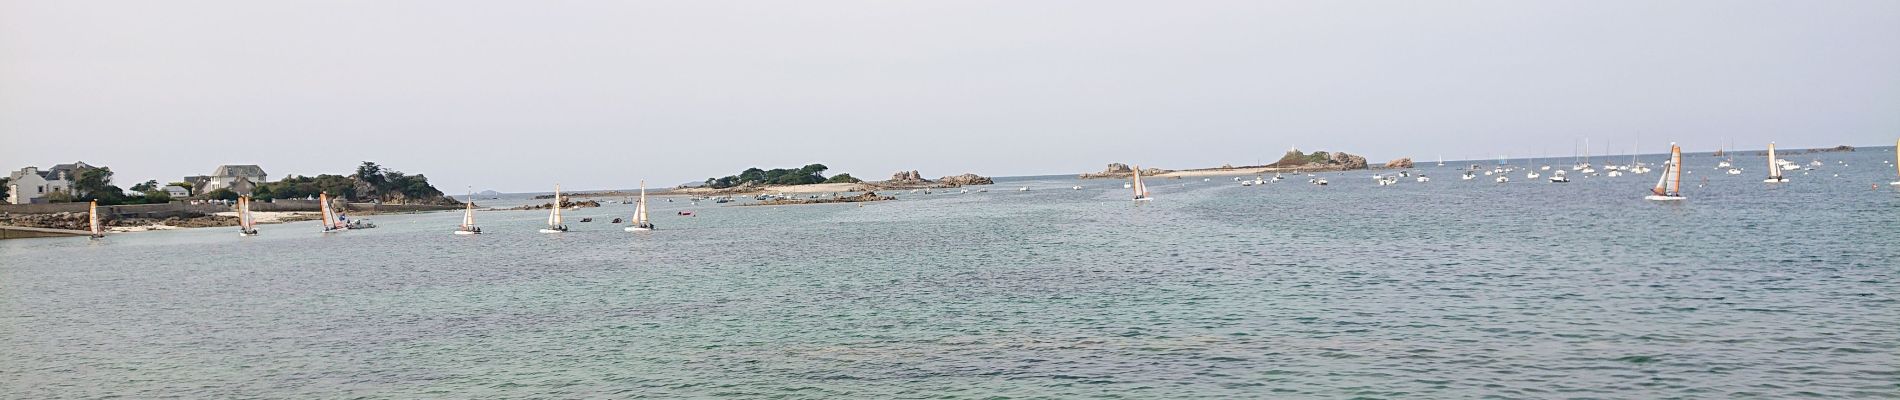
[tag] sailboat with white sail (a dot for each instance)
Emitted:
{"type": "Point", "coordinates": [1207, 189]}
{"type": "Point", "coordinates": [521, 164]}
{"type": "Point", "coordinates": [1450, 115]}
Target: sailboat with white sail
{"type": "Point", "coordinates": [331, 222]}
{"type": "Point", "coordinates": [1141, 191]}
{"type": "Point", "coordinates": [468, 219]}
{"type": "Point", "coordinates": [1896, 160]}
{"type": "Point", "coordinates": [640, 222]}
{"type": "Point", "coordinates": [92, 220]}
{"type": "Point", "coordinates": [247, 225]}
{"type": "Point", "coordinates": [554, 214]}
{"type": "Point", "coordinates": [1669, 187]}
{"type": "Point", "coordinates": [1774, 167]}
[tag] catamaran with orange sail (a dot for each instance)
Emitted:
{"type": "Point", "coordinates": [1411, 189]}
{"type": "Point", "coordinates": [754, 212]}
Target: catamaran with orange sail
{"type": "Point", "coordinates": [640, 222]}
{"type": "Point", "coordinates": [1141, 191]}
{"type": "Point", "coordinates": [1669, 188]}
{"type": "Point", "coordinates": [92, 217]}
{"type": "Point", "coordinates": [1774, 167]}
{"type": "Point", "coordinates": [331, 222]}
{"type": "Point", "coordinates": [247, 226]}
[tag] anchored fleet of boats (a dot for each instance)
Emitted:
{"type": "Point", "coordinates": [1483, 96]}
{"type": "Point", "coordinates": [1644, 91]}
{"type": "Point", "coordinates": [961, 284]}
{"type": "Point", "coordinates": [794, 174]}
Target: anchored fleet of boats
{"type": "Point", "coordinates": [1668, 188]}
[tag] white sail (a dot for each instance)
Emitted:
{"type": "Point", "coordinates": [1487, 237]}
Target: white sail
{"type": "Point", "coordinates": [554, 216]}
{"type": "Point", "coordinates": [1670, 184]}
{"type": "Point", "coordinates": [468, 215]}
{"type": "Point", "coordinates": [1774, 168]}
{"type": "Point", "coordinates": [640, 210]}
{"type": "Point", "coordinates": [1141, 191]}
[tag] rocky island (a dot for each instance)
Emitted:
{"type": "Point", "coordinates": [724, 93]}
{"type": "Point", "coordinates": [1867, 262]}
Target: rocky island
{"type": "Point", "coordinates": [1292, 161]}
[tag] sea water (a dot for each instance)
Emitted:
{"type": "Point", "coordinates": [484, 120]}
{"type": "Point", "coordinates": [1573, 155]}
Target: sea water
{"type": "Point", "coordinates": [1450, 288]}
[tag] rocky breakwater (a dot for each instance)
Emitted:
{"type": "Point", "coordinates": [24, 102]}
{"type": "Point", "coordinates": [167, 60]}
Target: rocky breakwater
{"type": "Point", "coordinates": [1119, 170]}
{"type": "Point", "coordinates": [914, 180]}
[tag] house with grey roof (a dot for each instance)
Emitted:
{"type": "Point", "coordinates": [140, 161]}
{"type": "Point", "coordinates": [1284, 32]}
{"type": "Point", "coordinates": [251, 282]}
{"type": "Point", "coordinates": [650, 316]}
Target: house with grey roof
{"type": "Point", "coordinates": [30, 185]}
{"type": "Point", "coordinates": [240, 178]}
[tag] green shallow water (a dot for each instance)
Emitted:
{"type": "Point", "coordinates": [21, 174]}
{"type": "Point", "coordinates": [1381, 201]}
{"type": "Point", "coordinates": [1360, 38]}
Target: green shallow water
{"type": "Point", "coordinates": [1443, 289]}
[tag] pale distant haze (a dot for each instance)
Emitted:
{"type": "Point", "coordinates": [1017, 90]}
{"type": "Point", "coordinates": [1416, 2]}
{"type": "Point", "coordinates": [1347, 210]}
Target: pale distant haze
{"type": "Point", "coordinates": [520, 95]}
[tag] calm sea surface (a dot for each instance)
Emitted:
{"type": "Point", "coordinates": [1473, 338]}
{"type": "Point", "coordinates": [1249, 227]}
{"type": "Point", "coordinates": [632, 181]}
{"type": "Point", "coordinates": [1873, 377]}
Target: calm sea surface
{"type": "Point", "coordinates": [1443, 289]}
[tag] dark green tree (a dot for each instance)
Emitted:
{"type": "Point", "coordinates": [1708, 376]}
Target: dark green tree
{"type": "Point", "coordinates": [842, 178]}
{"type": "Point", "coordinates": [221, 194]}
{"type": "Point", "coordinates": [146, 187]}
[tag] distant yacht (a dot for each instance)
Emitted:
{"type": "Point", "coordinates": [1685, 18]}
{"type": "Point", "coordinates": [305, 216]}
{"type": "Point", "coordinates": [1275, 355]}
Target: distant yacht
{"type": "Point", "coordinates": [1774, 167]}
{"type": "Point", "coordinates": [1503, 179]}
{"type": "Point", "coordinates": [1423, 179]}
{"type": "Point", "coordinates": [640, 221]}
{"type": "Point", "coordinates": [1532, 174]}
{"type": "Point", "coordinates": [1669, 188]}
{"type": "Point", "coordinates": [1023, 189]}
{"type": "Point", "coordinates": [247, 226]}
{"type": "Point", "coordinates": [1141, 191]}
{"type": "Point", "coordinates": [1558, 177]}
{"type": "Point", "coordinates": [554, 214]}
{"type": "Point", "coordinates": [1076, 187]}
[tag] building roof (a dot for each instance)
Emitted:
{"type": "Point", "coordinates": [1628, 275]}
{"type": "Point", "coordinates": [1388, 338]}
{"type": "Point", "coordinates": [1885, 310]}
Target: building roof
{"type": "Point", "coordinates": [70, 170]}
{"type": "Point", "coordinates": [246, 170]}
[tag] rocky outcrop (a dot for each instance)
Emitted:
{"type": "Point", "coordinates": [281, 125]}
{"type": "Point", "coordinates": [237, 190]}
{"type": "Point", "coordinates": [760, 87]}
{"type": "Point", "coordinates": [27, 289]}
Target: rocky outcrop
{"type": "Point", "coordinates": [907, 176]}
{"type": "Point", "coordinates": [1119, 170]}
{"type": "Point", "coordinates": [1319, 161]}
{"type": "Point", "coordinates": [964, 180]}
{"type": "Point", "coordinates": [860, 198]}
{"type": "Point", "coordinates": [565, 203]}
{"type": "Point", "coordinates": [1399, 163]}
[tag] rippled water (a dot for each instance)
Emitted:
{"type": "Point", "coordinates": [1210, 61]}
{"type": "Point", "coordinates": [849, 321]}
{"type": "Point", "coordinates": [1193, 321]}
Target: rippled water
{"type": "Point", "coordinates": [1443, 289]}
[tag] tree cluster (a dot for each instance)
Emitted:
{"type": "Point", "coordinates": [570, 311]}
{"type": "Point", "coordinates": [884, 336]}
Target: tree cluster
{"type": "Point", "coordinates": [809, 174]}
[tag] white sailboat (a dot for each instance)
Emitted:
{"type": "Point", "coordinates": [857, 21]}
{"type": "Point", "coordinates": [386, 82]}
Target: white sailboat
{"type": "Point", "coordinates": [1141, 191]}
{"type": "Point", "coordinates": [247, 225]}
{"type": "Point", "coordinates": [468, 219]}
{"type": "Point", "coordinates": [640, 222]}
{"type": "Point", "coordinates": [1669, 188]}
{"type": "Point", "coordinates": [554, 214]}
{"type": "Point", "coordinates": [92, 220]}
{"type": "Point", "coordinates": [330, 219]}
{"type": "Point", "coordinates": [1774, 167]}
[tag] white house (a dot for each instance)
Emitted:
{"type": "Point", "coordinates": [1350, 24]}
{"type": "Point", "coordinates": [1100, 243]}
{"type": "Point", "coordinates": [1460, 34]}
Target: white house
{"type": "Point", "coordinates": [30, 185]}
{"type": "Point", "coordinates": [236, 177]}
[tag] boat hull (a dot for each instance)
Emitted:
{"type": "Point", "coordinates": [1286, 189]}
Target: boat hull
{"type": "Point", "coordinates": [552, 231]}
{"type": "Point", "coordinates": [1663, 198]}
{"type": "Point", "coordinates": [467, 233]}
{"type": "Point", "coordinates": [637, 229]}
{"type": "Point", "coordinates": [1775, 180]}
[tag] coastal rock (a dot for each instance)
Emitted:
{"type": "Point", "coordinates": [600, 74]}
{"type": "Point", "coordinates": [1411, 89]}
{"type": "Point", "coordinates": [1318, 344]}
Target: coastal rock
{"type": "Point", "coordinates": [1119, 170]}
{"type": "Point", "coordinates": [1319, 161]}
{"type": "Point", "coordinates": [964, 180]}
{"type": "Point", "coordinates": [1399, 163]}
{"type": "Point", "coordinates": [907, 176]}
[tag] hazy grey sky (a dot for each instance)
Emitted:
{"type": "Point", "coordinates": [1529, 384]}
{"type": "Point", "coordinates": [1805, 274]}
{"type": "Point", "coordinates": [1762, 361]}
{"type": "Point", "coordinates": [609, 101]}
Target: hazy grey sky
{"type": "Point", "coordinates": [518, 95]}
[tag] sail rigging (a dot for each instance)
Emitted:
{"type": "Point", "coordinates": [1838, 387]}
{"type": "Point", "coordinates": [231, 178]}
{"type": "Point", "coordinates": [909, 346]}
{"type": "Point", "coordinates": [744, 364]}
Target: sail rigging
{"type": "Point", "coordinates": [1670, 184]}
